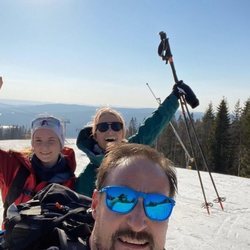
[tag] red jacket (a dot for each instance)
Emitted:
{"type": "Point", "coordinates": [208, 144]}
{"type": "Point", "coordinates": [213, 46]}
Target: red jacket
{"type": "Point", "coordinates": [10, 162]}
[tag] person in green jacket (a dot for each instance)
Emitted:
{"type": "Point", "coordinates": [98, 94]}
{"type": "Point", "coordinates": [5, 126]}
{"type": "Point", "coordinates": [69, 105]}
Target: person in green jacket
{"type": "Point", "coordinates": [108, 126]}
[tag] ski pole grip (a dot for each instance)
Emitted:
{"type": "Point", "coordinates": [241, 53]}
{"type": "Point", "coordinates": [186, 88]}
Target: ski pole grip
{"type": "Point", "coordinates": [163, 35]}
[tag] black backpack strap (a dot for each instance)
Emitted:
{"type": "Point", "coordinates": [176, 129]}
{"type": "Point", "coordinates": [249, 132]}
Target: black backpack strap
{"type": "Point", "coordinates": [62, 237]}
{"type": "Point", "coordinates": [16, 187]}
{"type": "Point", "coordinates": [54, 240]}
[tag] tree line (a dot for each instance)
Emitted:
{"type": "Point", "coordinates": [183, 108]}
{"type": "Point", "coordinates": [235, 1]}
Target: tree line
{"type": "Point", "coordinates": [223, 137]}
{"type": "Point", "coordinates": [14, 132]}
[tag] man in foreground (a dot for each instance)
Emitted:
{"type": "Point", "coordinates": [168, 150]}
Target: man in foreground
{"type": "Point", "coordinates": [133, 199]}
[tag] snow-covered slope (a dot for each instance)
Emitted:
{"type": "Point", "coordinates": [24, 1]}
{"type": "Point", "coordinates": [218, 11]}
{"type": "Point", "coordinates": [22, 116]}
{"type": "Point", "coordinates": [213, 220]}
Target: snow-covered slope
{"type": "Point", "coordinates": [190, 226]}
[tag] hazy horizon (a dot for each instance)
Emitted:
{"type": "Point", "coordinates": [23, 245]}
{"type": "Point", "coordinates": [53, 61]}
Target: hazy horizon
{"type": "Point", "coordinates": [96, 52]}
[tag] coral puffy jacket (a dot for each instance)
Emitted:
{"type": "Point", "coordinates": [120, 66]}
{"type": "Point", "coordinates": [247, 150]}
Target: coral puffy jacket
{"type": "Point", "coordinates": [11, 161]}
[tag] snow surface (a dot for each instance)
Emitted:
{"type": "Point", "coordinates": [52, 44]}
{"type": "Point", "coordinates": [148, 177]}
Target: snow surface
{"type": "Point", "coordinates": [190, 226]}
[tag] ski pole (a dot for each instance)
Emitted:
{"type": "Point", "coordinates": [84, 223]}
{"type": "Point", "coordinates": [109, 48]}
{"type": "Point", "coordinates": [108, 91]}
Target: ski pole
{"type": "Point", "coordinates": [165, 52]}
{"type": "Point", "coordinates": [205, 204]}
{"type": "Point", "coordinates": [172, 126]}
{"type": "Point", "coordinates": [218, 199]}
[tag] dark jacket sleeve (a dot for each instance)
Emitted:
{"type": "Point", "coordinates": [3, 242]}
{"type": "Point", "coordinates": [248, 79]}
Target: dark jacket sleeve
{"type": "Point", "coordinates": [85, 182]}
{"type": "Point", "coordinates": [153, 125]}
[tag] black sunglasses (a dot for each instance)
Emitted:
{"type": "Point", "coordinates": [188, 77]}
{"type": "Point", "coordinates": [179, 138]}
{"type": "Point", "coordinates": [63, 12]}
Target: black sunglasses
{"type": "Point", "coordinates": [104, 126]}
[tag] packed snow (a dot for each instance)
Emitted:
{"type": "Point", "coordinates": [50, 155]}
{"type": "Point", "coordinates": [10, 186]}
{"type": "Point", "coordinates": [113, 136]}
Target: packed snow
{"type": "Point", "coordinates": [190, 226]}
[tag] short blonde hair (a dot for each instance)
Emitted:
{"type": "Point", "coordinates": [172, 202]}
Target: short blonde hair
{"type": "Point", "coordinates": [118, 153]}
{"type": "Point", "coordinates": [107, 110]}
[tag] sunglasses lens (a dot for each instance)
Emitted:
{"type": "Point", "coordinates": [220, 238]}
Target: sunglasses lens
{"type": "Point", "coordinates": [158, 207]}
{"type": "Point", "coordinates": [120, 199]}
{"type": "Point", "coordinates": [116, 126]}
{"type": "Point", "coordinates": [104, 126]}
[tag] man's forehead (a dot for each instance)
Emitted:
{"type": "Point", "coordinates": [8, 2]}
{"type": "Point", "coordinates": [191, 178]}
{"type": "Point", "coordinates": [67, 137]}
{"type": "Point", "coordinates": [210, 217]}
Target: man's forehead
{"type": "Point", "coordinates": [139, 172]}
{"type": "Point", "coordinates": [138, 163]}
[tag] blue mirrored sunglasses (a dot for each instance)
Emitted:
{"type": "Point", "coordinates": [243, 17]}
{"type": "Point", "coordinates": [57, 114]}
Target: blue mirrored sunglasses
{"type": "Point", "coordinates": [46, 122]}
{"type": "Point", "coordinates": [120, 199]}
{"type": "Point", "coordinates": [104, 126]}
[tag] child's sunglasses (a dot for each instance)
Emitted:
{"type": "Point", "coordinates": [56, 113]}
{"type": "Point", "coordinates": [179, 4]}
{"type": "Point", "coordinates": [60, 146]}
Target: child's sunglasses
{"type": "Point", "coordinates": [104, 126]}
{"type": "Point", "coordinates": [120, 199]}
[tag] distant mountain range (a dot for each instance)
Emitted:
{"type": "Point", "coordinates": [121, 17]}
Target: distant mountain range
{"type": "Point", "coordinates": [75, 116]}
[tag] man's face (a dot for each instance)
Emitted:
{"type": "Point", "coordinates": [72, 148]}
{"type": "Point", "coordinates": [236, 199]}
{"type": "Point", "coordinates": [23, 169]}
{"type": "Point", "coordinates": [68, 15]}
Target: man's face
{"type": "Point", "coordinates": [133, 230]}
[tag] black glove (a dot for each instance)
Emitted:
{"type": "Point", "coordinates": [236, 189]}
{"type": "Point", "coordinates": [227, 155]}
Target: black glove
{"type": "Point", "coordinates": [181, 88]}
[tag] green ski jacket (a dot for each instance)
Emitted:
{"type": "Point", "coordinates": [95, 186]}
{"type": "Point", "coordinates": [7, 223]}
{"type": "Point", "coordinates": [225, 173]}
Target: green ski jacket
{"type": "Point", "coordinates": [147, 134]}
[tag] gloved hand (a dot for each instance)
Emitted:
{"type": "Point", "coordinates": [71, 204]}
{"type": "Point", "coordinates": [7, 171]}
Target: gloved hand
{"type": "Point", "coordinates": [181, 88]}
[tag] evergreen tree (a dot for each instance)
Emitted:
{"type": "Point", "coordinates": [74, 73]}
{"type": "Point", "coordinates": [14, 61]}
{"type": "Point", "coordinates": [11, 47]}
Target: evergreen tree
{"type": "Point", "coordinates": [197, 153]}
{"type": "Point", "coordinates": [244, 168]}
{"type": "Point", "coordinates": [207, 135]}
{"type": "Point", "coordinates": [167, 142]}
{"type": "Point", "coordinates": [180, 156]}
{"type": "Point", "coordinates": [236, 140]}
{"type": "Point", "coordinates": [133, 127]}
{"type": "Point", "coordinates": [222, 139]}
{"type": "Point", "coordinates": [13, 132]}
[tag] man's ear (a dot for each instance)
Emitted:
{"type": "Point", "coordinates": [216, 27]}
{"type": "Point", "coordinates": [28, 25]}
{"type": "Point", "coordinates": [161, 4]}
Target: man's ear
{"type": "Point", "coordinates": [94, 203]}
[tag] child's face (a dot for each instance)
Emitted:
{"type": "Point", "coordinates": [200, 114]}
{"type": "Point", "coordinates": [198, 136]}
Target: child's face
{"type": "Point", "coordinates": [46, 146]}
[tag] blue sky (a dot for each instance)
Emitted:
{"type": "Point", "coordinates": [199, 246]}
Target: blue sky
{"type": "Point", "coordinates": [104, 52]}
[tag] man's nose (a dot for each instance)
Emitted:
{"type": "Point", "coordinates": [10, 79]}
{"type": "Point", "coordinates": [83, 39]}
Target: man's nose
{"type": "Point", "coordinates": [137, 218]}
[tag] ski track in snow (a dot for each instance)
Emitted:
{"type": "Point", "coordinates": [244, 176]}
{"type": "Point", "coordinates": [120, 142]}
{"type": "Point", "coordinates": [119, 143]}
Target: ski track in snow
{"type": "Point", "coordinates": [190, 227]}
